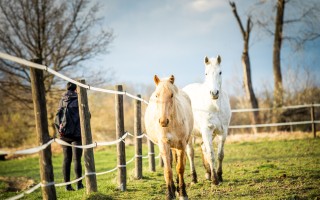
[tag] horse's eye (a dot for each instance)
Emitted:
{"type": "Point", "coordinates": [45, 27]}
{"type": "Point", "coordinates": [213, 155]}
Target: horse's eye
{"type": "Point", "coordinates": [171, 95]}
{"type": "Point", "coordinates": [206, 74]}
{"type": "Point", "coordinates": [220, 73]}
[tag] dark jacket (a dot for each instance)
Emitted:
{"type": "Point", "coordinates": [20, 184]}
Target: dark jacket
{"type": "Point", "coordinates": [71, 97]}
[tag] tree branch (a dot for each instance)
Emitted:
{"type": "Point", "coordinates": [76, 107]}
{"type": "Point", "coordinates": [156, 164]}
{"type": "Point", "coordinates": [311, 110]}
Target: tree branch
{"type": "Point", "coordinates": [234, 10]}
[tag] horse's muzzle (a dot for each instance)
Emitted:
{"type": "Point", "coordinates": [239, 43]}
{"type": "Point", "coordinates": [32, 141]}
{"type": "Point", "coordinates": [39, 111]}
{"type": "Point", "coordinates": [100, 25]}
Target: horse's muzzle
{"type": "Point", "coordinates": [164, 122]}
{"type": "Point", "coordinates": [214, 95]}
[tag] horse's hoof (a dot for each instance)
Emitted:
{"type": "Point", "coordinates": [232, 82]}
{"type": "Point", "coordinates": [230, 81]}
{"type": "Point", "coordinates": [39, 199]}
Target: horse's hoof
{"type": "Point", "coordinates": [215, 182]}
{"type": "Point", "coordinates": [170, 197]}
{"type": "Point", "coordinates": [208, 176]}
{"type": "Point", "coordinates": [220, 176]}
{"type": "Point", "coordinates": [194, 178]}
{"type": "Point", "coordinates": [183, 198]}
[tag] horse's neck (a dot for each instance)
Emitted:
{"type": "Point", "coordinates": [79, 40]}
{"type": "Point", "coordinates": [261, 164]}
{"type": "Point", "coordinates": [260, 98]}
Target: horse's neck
{"type": "Point", "coordinates": [177, 109]}
{"type": "Point", "coordinates": [215, 105]}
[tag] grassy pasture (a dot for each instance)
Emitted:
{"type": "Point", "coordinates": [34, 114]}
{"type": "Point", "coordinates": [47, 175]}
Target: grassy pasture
{"type": "Point", "coordinates": [253, 169]}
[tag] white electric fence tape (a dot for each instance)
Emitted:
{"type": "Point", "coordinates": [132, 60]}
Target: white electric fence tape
{"type": "Point", "coordinates": [266, 109]}
{"type": "Point", "coordinates": [26, 192]}
{"type": "Point", "coordinates": [274, 124]}
{"type": "Point", "coordinates": [43, 67]}
{"type": "Point", "coordinates": [87, 174]}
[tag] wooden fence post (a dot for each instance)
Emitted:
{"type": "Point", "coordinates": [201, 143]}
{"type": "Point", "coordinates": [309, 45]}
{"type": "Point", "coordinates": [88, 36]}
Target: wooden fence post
{"type": "Point", "coordinates": [152, 162]}
{"type": "Point", "coordinates": [137, 133]}
{"type": "Point", "coordinates": [121, 150]}
{"type": "Point", "coordinates": [86, 137]}
{"type": "Point", "coordinates": [313, 125]}
{"type": "Point", "coordinates": [41, 119]}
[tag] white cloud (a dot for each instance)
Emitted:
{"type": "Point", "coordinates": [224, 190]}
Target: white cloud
{"type": "Point", "coordinates": [205, 5]}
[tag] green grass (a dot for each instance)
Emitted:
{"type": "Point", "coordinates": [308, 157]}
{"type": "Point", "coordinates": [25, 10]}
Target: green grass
{"type": "Point", "coordinates": [284, 169]}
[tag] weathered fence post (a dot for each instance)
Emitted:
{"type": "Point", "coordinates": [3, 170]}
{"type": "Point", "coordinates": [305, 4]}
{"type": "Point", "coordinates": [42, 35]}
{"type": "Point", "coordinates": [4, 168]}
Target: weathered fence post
{"type": "Point", "coordinates": [41, 119]}
{"type": "Point", "coordinates": [152, 162]}
{"type": "Point", "coordinates": [121, 159]}
{"type": "Point", "coordinates": [137, 133]}
{"type": "Point", "coordinates": [313, 125]}
{"type": "Point", "coordinates": [86, 137]}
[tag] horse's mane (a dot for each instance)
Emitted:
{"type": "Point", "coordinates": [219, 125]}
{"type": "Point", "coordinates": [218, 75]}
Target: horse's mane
{"type": "Point", "coordinates": [178, 99]}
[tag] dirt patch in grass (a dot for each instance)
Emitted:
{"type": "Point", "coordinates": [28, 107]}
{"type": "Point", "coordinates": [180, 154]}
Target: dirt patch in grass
{"type": "Point", "coordinates": [16, 184]}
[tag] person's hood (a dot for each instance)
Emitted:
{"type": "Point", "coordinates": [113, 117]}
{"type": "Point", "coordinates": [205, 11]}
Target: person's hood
{"type": "Point", "coordinates": [69, 95]}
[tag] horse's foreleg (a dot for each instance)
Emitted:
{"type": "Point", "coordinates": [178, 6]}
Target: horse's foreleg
{"type": "Point", "coordinates": [209, 154]}
{"type": "Point", "coordinates": [168, 176]}
{"type": "Point", "coordinates": [222, 140]}
{"type": "Point", "coordinates": [190, 153]}
{"type": "Point", "coordinates": [180, 167]}
{"type": "Point", "coordinates": [205, 162]}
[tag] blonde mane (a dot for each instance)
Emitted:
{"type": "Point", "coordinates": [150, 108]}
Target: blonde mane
{"type": "Point", "coordinates": [177, 112]}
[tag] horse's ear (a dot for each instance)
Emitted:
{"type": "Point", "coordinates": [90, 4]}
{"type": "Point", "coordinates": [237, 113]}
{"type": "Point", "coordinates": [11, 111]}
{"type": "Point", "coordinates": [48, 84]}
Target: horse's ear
{"type": "Point", "coordinates": [156, 79]}
{"type": "Point", "coordinates": [219, 59]}
{"type": "Point", "coordinates": [206, 60]}
{"type": "Point", "coordinates": [171, 79]}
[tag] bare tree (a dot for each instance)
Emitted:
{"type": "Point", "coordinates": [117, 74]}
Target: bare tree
{"type": "Point", "coordinates": [278, 36]}
{"type": "Point", "coordinates": [62, 34]}
{"type": "Point", "coordinates": [246, 64]}
{"type": "Point", "coordinates": [296, 22]}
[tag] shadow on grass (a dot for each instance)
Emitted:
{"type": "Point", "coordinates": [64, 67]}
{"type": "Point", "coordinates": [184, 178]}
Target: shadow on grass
{"type": "Point", "coordinates": [98, 196]}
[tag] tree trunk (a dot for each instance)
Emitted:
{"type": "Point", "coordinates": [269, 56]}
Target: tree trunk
{"type": "Point", "coordinates": [246, 66]}
{"type": "Point", "coordinates": [278, 89]}
{"type": "Point", "coordinates": [248, 88]}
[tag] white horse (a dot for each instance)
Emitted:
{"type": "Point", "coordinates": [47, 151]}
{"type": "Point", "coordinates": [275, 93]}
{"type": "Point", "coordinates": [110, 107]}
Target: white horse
{"type": "Point", "coordinates": [212, 113]}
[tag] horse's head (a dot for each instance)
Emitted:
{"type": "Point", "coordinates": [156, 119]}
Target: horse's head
{"type": "Point", "coordinates": [165, 92]}
{"type": "Point", "coordinates": [213, 76]}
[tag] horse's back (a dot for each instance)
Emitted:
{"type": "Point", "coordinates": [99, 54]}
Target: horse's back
{"type": "Point", "coordinates": [192, 88]}
{"type": "Point", "coordinates": [193, 91]}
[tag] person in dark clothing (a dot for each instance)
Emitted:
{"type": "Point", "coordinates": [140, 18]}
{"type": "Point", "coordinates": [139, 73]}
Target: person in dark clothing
{"type": "Point", "coordinates": [70, 99]}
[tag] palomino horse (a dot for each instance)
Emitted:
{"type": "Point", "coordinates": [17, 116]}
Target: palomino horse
{"type": "Point", "coordinates": [169, 122]}
{"type": "Point", "coordinates": [212, 113]}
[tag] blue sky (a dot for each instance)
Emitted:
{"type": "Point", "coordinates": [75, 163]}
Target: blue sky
{"type": "Point", "coordinates": [173, 37]}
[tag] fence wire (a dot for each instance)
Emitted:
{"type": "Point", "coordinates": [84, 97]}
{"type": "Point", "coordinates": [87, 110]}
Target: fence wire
{"type": "Point", "coordinates": [40, 148]}
{"type": "Point", "coordinates": [43, 67]}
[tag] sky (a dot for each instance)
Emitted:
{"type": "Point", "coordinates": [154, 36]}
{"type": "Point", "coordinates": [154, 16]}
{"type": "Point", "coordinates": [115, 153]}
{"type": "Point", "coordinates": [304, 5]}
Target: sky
{"type": "Point", "coordinates": [173, 37]}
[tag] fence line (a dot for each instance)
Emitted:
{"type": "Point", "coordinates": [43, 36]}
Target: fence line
{"type": "Point", "coordinates": [39, 148]}
{"type": "Point", "coordinates": [43, 67]}
{"type": "Point", "coordinates": [70, 182]}
{"type": "Point", "coordinates": [94, 144]}
{"type": "Point", "coordinates": [268, 109]}
{"type": "Point", "coordinates": [274, 124]}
